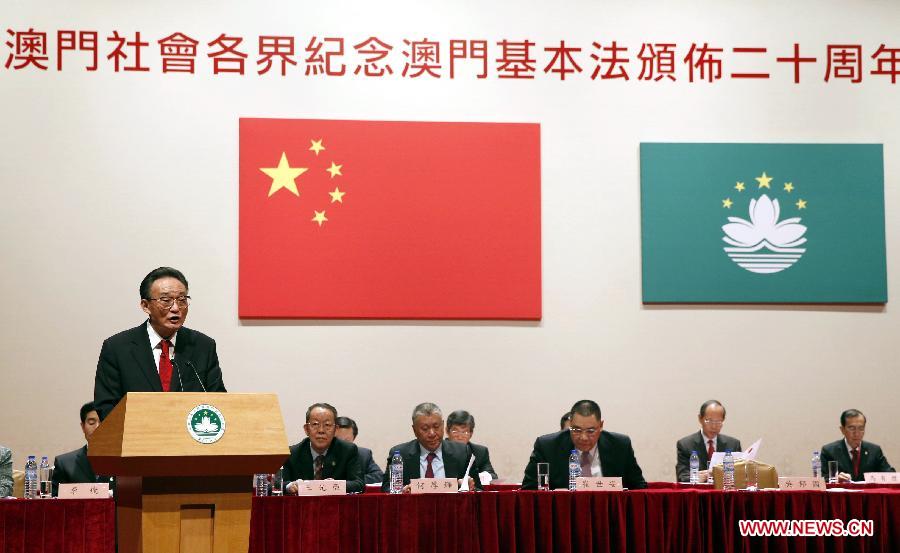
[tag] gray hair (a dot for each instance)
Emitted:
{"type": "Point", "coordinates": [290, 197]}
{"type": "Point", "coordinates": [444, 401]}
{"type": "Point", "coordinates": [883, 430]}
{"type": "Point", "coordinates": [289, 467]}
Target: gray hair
{"type": "Point", "coordinates": [426, 409]}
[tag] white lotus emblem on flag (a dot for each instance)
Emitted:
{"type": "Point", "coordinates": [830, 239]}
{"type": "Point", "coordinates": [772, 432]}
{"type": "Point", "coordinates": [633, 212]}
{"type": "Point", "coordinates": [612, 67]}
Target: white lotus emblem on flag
{"type": "Point", "coordinates": [764, 244]}
{"type": "Point", "coordinates": [205, 426]}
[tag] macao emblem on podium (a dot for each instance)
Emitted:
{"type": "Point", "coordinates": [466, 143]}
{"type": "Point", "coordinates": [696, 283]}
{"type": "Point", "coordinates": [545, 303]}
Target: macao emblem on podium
{"type": "Point", "coordinates": [205, 424]}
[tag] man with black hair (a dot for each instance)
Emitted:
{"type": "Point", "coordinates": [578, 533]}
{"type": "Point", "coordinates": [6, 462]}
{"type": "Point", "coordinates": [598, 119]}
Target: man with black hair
{"type": "Point", "coordinates": [160, 354]}
{"type": "Point", "coordinates": [705, 442]}
{"type": "Point", "coordinates": [854, 456]}
{"type": "Point", "coordinates": [460, 427]}
{"type": "Point", "coordinates": [602, 453]}
{"type": "Point", "coordinates": [74, 467]}
{"type": "Point", "coordinates": [347, 431]}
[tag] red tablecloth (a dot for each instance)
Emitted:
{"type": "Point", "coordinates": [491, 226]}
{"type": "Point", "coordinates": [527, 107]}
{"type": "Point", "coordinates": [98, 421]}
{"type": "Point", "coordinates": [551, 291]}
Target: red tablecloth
{"type": "Point", "coordinates": [653, 520]}
{"type": "Point", "coordinates": [57, 526]}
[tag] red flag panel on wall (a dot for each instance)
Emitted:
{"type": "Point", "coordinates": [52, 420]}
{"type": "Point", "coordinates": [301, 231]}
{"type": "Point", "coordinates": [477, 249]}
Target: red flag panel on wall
{"type": "Point", "coordinates": [389, 220]}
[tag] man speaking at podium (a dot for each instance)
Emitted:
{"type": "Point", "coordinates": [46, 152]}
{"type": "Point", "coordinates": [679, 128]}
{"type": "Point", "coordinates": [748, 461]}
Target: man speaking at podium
{"type": "Point", "coordinates": [159, 355]}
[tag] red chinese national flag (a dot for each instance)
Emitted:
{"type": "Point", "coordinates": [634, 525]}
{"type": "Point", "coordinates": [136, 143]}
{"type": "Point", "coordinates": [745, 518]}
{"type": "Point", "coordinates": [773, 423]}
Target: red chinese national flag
{"type": "Point", "coordinates": [389, 220]}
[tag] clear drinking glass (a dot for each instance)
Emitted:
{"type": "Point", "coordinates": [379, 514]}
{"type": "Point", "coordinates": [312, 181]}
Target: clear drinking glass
{"type": "Point", "coordinates": [832, 472]}
{"type": "Point", "coordinates": [277, 484]}
{"type": "Point", "coordinates": [543, 477]}
{"type": "Point", "coordinates": [45, 478]}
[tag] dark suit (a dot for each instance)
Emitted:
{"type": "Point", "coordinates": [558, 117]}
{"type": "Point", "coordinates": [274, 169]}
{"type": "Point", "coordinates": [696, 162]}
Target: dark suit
{"type": "Point", "coordinates": [372, 472]}
{"type": "Point", "coordinates": [454, 455]}
{"type": "Point", "coordinates": [126, 365]}
{"type": "Point", "coordinates": [872, 459]}
{"type": "Point", "coordinates": [482, 460]}
{"type": "Point", "coordinates": [695, 442]}
{"type": "Point", "coordinates": [341, 463]}
{"type": "Point", "coordinates": [74, 467]}
{"type": "Point", "coordinates": [616, 459]}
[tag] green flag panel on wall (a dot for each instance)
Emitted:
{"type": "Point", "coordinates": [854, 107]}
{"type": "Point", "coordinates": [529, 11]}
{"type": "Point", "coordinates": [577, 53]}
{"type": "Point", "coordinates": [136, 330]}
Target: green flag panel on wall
{"type": "Point", "coordinates": [763, 223]}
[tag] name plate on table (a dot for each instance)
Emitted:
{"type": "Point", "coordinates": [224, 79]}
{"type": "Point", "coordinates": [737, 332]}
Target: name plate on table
{"type": "Point", "coordinates": [599, 483]}
{"type": "Point", "coordinates": [882, 478]}
{"type": "Point", "coordinates": [433, 485]}
{"type": "Point", "coordinates": [83, 491]}
{"type": "Point", "coordinates": [803, 483]}
{"type": "Point", "coordinates": [322, 487]}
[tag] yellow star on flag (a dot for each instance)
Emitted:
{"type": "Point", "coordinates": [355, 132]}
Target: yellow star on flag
{"type": "Point", "coordinates": [788, 186]}
{"type": "Point", "coordinates": [317, 146]}
{"type": "Point", "coordinates": [739, 187]}
{"type": "Point", "coordinates": [801, 204]}
{"type": "Point", "coordinates": [727, 203]}
{"type": "Point", "coordinates": [283, 176]}
{"type": "Point", "coordinates": [337, 195]}
{"type": "Point", "coordinates": [319, 217]}
{"type": "Point", "coordinates": [764, 181]}
{"type": "Point", "coordinates": [335, 169]}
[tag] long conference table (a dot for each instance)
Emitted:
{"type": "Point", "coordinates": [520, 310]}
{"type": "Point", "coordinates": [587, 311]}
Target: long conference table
{"type": "Point", "coordinates": [666, 518]}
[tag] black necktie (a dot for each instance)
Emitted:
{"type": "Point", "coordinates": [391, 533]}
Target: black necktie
{"type": "Point", "coordinates": [318, 467]}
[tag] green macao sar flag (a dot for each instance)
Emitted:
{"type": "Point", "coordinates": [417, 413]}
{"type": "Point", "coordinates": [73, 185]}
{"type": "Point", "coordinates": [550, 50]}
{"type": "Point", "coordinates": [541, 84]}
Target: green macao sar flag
{"type": "Point", "coordinates": [763, 223]}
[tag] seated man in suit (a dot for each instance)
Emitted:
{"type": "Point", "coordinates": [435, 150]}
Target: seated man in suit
{"type": "Point", "coordinates": [705, 442]}
{"type": "Point", "coordinates": [460, 427]}
{"type": "Point", "coordinates": [429, 455]}
{"type": "Point", "coordinates": [854, 456]}
{"type": "Point", "coordinates": [158, 355]}
{"type": "Point", "coordinates": [347, 431]}
{"type": "Point", "coordinates": [602, 453]}
{"type": "Point", "coordinates": [6, 479]}
{"type": "Point", "coordinates": [321, 456]}
{"type": "Point", "coordinates": [74, 467]}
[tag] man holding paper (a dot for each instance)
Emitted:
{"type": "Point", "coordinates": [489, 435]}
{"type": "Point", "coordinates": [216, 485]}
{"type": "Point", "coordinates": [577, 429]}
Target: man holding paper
{"type": "Point", "coordinates": [706, 442]}
{"type": "Point", "coordinates": [854, 456]}
{"type": "Point", "coordinates": [321, 456]}
{"type": "Point", "coordinates": [602, 453]}
{"type": "Point", "coordinates": [429, 455]}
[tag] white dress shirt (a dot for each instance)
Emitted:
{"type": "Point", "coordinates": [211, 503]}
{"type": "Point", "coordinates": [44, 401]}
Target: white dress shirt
{"type": "Point", "coordinates": [437, 464]}
{"type": "Point", "coordinates": [156, 345]}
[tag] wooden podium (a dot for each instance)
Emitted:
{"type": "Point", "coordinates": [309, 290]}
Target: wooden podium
{"type": "Point", "coordinates": [174, 492]}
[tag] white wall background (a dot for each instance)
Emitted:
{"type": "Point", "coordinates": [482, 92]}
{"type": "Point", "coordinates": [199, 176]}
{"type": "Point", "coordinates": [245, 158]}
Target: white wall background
{"type": "Point", "coordinates": [105, 176]}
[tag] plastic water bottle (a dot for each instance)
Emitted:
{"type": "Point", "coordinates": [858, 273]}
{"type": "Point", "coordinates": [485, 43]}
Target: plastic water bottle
{"type": "Point", "coordinates": [816, 464]}
{"type": "Point", "coordinates": [574, 468]}
{"type": "Point", "coordinates": [695, 468]}
{"type": "Point", "coordinates": [728, 471]}
{"type": "Point", "coordinates": [46, 490]}
{"type": "Point", "coordinates": [261, 485]}
{"type": "Point", "coordinates": [31, 478]}
{"type": "Point", "coordinates": [396, 472]}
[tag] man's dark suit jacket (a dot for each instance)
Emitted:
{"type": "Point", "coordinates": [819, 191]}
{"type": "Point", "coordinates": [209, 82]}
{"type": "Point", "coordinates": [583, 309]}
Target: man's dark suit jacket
{"type": "Point", "coordinates": [872, 459]}
{"type": "Point", "coordinates": [454, 455]}
{"type": "Point", "coordinates": [482, 460]}
{"type": "Point", "coordinates": [126, 365]}
{"type": "Point", "coordinates": [74, 468]}
{"type": "Point", "coordinates": [616, 459]}
{"type": "Point", "coordinates": [341, 463]}
{"type": "Point", "coordinates": [372, 472]}
{"type": "Point", "coordinates": [694, 442]}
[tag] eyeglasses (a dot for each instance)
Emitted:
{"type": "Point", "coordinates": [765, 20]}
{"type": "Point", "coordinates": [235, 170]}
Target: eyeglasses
{"type": "Point", "coordinates": [455, 432]}
{"type": "Point", "coordinates": [166, 303]}
{"type": "Point", "coordinates": [713, 423]}
{"type": "Point", "coordinates": [586, 431]}
{"type": "Point", "coordinates": [316, 425]}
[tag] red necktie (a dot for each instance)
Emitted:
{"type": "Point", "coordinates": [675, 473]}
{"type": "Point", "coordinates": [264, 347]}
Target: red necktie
{"type": "Point", "coordinates": [855, 458]}
{"type": "Point", "coordinates": [165, 366]}
{"type": "Point", "coordinates": [709, 451]}
{"type": "Point", "coordinates": [586, 464]}
{"type": "Point", "coordinates": [429, 472]}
